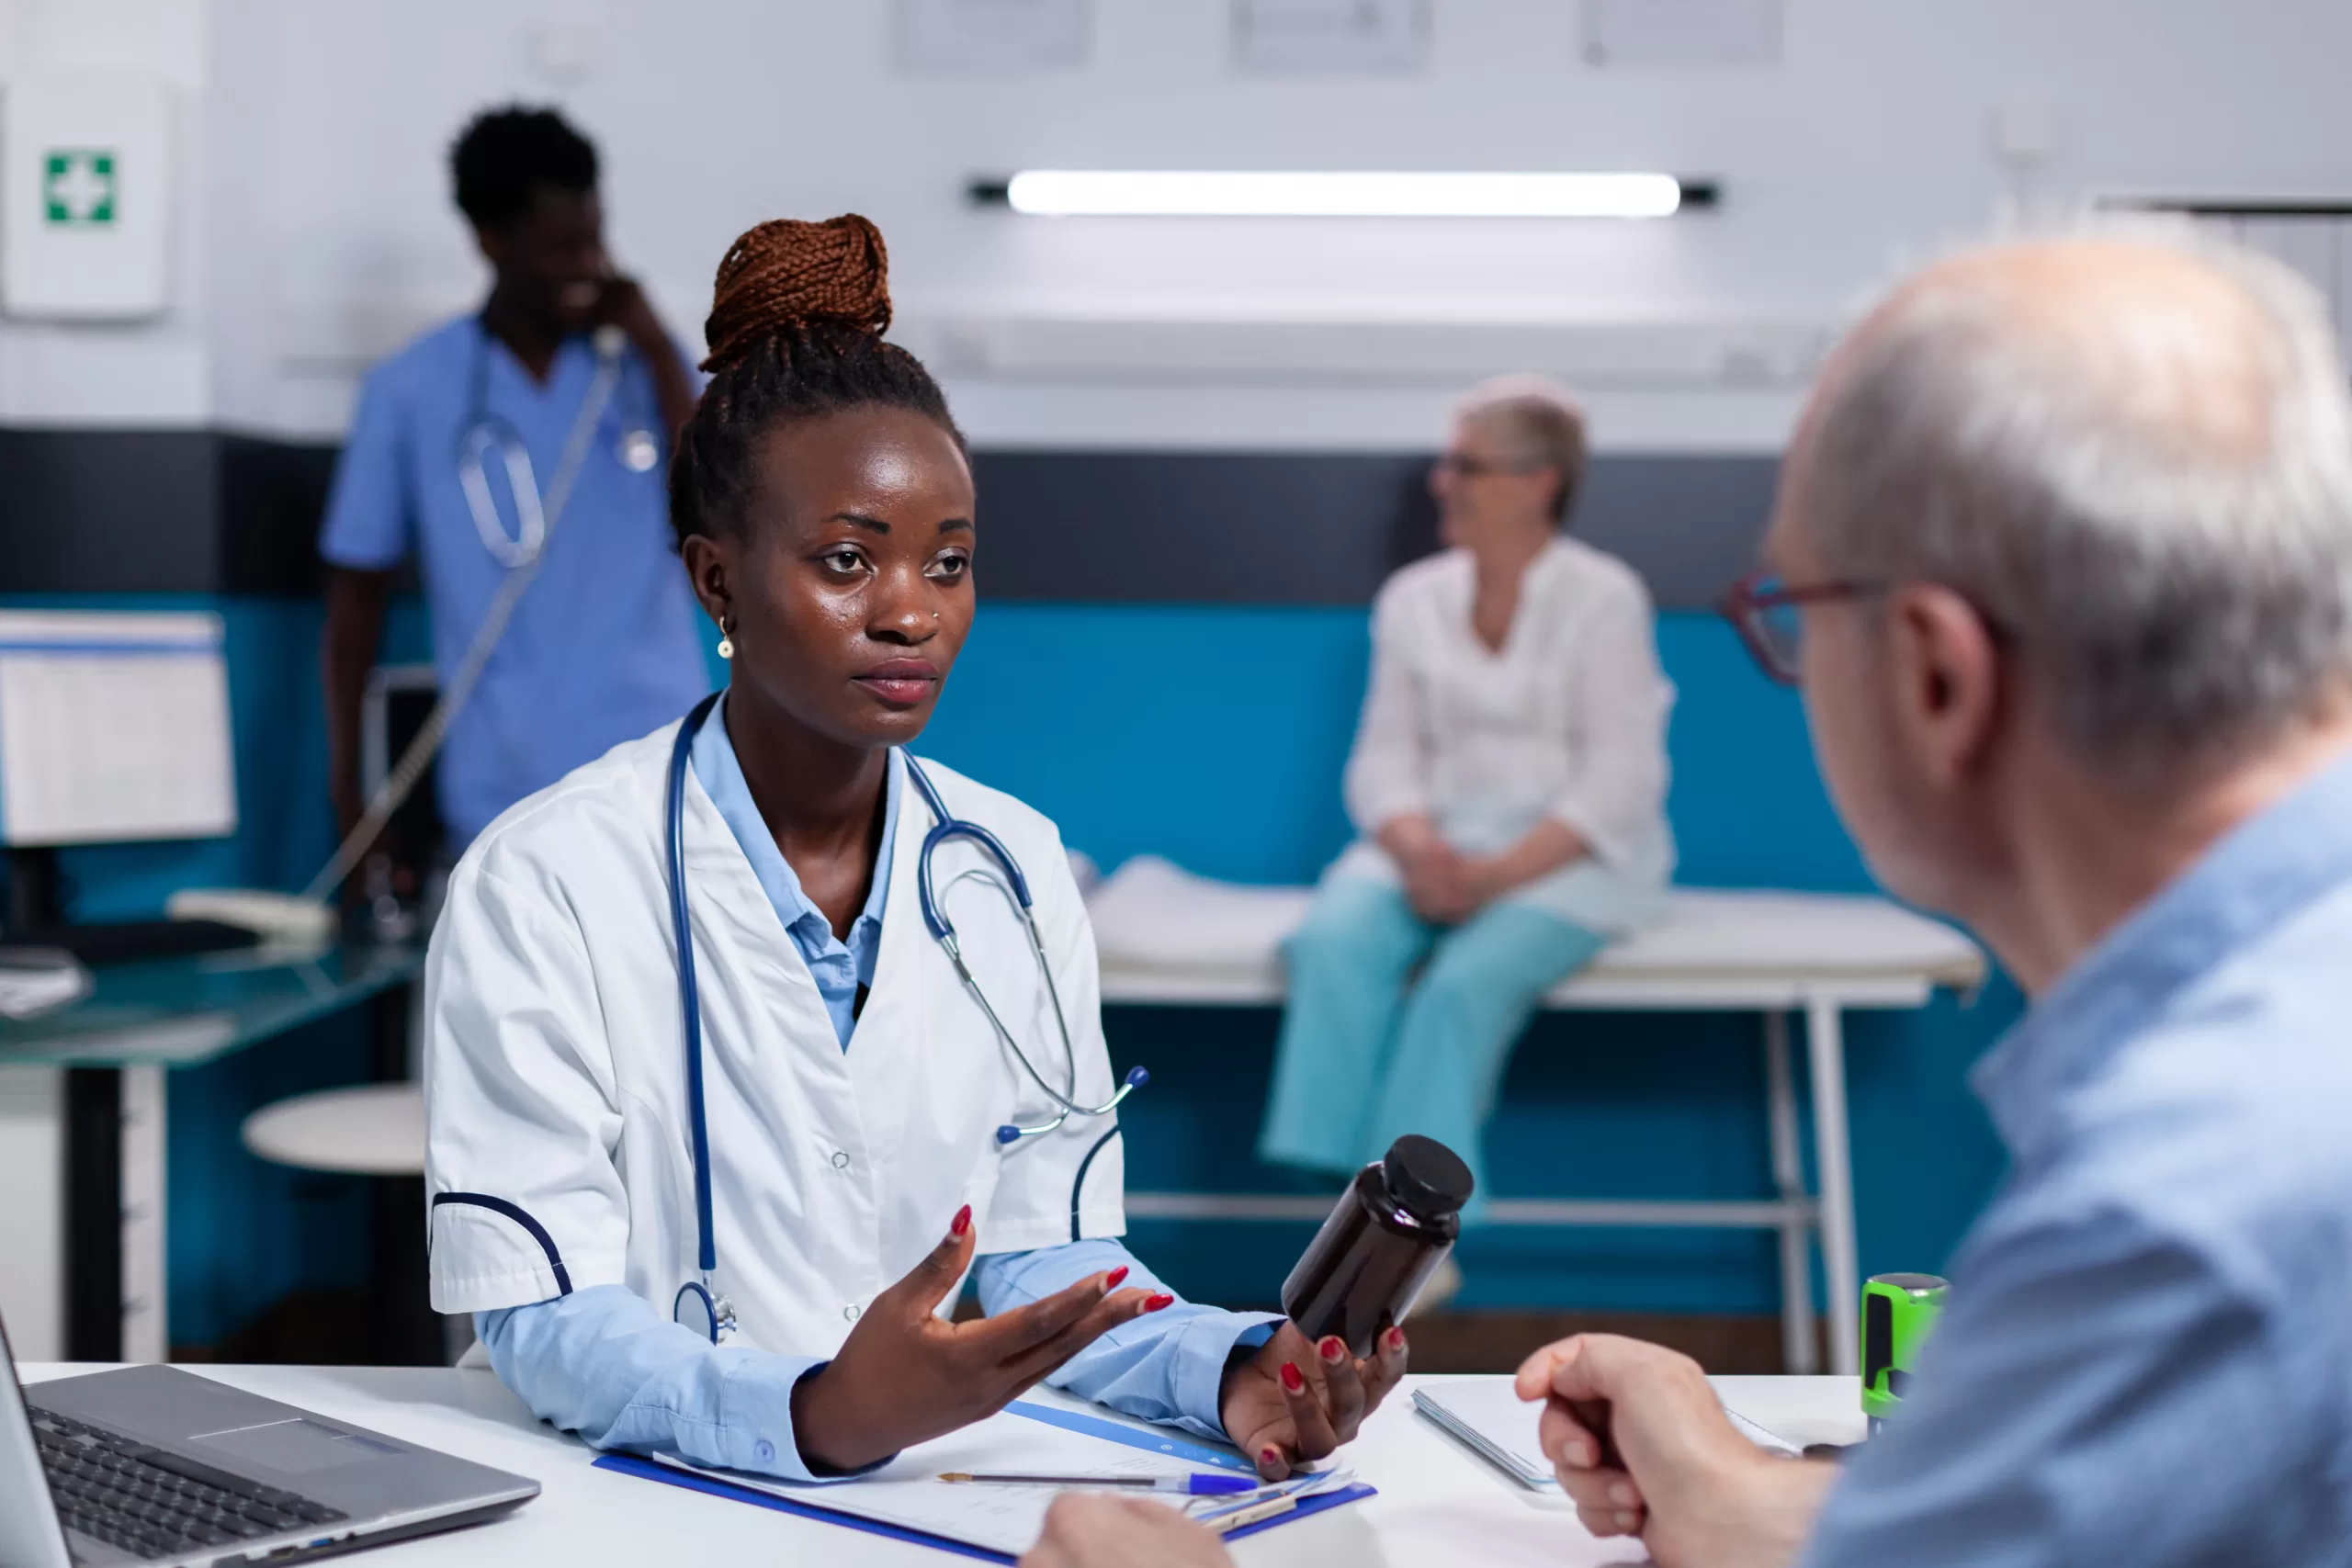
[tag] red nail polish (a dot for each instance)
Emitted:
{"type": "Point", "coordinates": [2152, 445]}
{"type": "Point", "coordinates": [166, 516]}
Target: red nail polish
{"type": "Point", "coordinates": [1111, 1282]}
{"type": "Point", "coordinates": [1333, 1349]}
{"type": "Point", "coordinates": [1292, 1379]}
{"type": "Point", "coordinates": [963, 1221]}
{"type": "Point", "coordinates": [1395, 1340]}
{"type": "Point", "coordinates": [1155, 1302]}
{"type": "Point", "coordinates": [1269, 1456]}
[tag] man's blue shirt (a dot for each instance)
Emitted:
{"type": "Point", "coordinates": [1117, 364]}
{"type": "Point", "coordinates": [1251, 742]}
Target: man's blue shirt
{"type": "Point", "coordinates": [2147, 1359]}
{"type": "Point", "coordinates": [606, 646]}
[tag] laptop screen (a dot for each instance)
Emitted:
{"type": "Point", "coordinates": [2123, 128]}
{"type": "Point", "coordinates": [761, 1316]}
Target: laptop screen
{"type": "Point", "coordinates": [29, 1532]}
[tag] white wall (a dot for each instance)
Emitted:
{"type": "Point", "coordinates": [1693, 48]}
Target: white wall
{"type": "Point", "coordinates": [161, 372]}
{"type": "Point", "coordinates": [326, 233]}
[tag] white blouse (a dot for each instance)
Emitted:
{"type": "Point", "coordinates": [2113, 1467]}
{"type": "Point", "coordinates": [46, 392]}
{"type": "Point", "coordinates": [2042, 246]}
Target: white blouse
{"type": "Point", "coordinates": [1567, 721]}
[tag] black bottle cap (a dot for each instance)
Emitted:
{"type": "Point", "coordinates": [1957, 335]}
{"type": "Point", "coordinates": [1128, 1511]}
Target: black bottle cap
{"type": "Point", "coordinates": [1428, 1179]}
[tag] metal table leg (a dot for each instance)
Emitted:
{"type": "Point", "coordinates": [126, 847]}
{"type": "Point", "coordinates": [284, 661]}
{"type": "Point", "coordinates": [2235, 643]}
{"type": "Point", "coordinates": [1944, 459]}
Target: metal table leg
{"type": "Point", "coordinates": [1800, 1349]}
{"type": "Point", "coordinates": [92, 1214]}
{"type": "Point", "coordinates": [1825, 1042]}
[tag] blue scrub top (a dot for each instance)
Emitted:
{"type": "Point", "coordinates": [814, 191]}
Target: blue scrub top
{"type": "Point", "coordinates": [606, 645]}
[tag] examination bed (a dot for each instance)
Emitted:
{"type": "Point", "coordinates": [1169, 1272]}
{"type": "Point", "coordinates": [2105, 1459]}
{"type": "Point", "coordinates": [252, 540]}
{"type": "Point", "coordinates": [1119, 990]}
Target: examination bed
{"type": "Point", "coordinates": [1168, 937]}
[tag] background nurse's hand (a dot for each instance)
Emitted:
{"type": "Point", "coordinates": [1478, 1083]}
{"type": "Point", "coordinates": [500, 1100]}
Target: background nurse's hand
{"type": "Point", "coordinates": [623, 304]}
{"type": "Point", "coordinates": [1295, 1400]}
{"type": "Point", "coordinates": [906, 1375]}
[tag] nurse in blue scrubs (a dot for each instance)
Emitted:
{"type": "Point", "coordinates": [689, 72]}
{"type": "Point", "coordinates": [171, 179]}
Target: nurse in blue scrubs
{"type": "Point", "coordinates": [603, 645]}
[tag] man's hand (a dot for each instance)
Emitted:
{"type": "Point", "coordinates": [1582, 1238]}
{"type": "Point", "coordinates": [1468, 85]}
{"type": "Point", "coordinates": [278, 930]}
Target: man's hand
{"type": "Point", "coordinates": [906, 1375]}
{"type": "Point", "coordinates": [1086, 1529]}
{"type": "Point", "coordinates": [1294, 1401]}
{"type": "Point", "coordinates": [1641, 1445]}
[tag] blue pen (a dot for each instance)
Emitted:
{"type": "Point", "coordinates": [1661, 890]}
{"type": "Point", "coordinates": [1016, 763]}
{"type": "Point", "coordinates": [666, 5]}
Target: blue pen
{"type": "Point", "coordinates": [1195, 1485]}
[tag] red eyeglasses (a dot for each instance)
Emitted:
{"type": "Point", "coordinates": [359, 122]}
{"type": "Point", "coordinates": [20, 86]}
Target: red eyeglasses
{"type": "Point", "coordinates": [1766, 612]}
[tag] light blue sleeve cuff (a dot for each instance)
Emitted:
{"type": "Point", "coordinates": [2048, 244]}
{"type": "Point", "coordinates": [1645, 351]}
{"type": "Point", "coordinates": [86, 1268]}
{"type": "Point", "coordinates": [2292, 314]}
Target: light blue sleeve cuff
{"type": "Point", "coordinates": [1168, 1366]}
{"type": "Point", "coordinates": [602, 1363]}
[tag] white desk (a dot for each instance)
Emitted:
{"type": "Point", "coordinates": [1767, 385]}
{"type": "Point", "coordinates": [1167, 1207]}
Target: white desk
{"type": "Point", "coordinates": [1437, 1505]}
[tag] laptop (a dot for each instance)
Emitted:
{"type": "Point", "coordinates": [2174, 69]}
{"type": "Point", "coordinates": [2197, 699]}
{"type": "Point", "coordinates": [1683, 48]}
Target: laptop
{"type": "Point", "coordinates": [155, 1465]}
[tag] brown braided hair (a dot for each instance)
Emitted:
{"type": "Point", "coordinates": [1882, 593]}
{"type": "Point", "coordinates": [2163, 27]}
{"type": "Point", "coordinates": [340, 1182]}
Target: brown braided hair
{"type": "Point", "coordinates": [797, 317]}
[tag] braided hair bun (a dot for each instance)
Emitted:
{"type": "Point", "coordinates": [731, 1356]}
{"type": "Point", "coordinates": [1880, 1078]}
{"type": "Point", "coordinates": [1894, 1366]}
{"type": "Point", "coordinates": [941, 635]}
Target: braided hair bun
{"type": "Point", "coordinates": [786, 274]}
{"type": "Point", "coordinates": [796, 318]}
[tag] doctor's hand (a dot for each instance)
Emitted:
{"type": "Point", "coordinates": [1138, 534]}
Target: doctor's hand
{"type": "Point", "coordinates": [906, 1375]}
{"type": "Point", "coordinates": [1296, 1401]}
{"type": "Point", "coordinates": [1088, 1529]}
{"type": "Point", "coordinates": [1641, 1445]}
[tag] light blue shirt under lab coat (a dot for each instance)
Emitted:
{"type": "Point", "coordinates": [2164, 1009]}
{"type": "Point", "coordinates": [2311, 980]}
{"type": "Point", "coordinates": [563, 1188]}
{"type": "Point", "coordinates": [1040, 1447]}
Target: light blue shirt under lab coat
{"type": "Point", "coordinates": [606, 646]}
{"type": "Point", "coordinates": [2147, 1359]}
{"type": "Point", "coordinates": [605, 1364]}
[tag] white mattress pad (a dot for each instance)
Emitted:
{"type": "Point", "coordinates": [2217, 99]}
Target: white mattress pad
{"type": "Point", "coordinates": [1153, 917]}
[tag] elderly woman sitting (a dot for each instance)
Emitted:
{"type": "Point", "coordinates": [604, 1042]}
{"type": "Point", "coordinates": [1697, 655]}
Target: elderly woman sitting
{"type": "Point", "coordinates": [1509, 784]}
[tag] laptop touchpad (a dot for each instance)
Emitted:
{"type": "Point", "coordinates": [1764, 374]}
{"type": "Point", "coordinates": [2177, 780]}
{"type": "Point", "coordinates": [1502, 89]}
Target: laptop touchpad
{"type": "Point", "coordinates": [295, 1447]}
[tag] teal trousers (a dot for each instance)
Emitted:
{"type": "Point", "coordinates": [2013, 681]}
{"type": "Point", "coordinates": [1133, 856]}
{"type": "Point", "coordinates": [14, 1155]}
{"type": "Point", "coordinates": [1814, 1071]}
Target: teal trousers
{"type": "Point", "coordinates": [1397, 1026]}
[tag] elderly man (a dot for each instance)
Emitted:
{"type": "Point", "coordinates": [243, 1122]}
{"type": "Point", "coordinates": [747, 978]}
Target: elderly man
{"type": "Point", "coordinates": [2067, 531]}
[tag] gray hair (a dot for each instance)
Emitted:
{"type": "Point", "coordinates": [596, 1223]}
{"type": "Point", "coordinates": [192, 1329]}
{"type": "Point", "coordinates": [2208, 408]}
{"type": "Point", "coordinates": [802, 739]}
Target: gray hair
{"type": "Point", "coordinates": [1541, 423]}
{"type": "Point", "coordinates": [2151, 500]}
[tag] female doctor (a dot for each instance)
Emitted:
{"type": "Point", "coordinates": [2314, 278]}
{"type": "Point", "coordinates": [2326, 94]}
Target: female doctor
{"type": "Point", "coordinates": [731, 1230]}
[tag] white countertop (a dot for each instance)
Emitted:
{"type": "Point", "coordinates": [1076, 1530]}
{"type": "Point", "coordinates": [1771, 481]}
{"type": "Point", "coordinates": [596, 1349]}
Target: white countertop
{"type": "Point", "coordinates": [1437, 1505]}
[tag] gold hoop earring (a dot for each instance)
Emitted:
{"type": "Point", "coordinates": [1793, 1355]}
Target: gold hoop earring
{"type": "Point", "coordinates": [726, 641]}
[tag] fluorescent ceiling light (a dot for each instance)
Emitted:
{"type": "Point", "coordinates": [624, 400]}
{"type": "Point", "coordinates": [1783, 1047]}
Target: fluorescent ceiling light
{"type": "Point", "coordinates": [1182, 192]}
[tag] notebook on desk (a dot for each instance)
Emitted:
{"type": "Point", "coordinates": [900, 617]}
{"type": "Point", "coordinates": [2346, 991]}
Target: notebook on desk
{"type": "Point", "coordinates": [1488, 1417]}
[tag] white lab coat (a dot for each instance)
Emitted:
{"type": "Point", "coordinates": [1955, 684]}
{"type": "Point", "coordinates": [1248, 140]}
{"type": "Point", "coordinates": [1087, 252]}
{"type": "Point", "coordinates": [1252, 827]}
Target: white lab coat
{"type": "Point", "coordinates": [554, 1070]}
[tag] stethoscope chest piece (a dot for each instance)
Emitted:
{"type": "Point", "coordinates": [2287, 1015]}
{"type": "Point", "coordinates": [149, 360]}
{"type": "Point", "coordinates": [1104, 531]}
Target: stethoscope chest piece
{"type": "Point", "coordinates": [703, 1311]}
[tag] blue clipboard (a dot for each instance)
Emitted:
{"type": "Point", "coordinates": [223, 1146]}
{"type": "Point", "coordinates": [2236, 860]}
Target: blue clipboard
{"type": "Point", "coordinates": [718, 1487]}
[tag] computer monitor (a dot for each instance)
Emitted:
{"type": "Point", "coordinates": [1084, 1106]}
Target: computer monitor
{"type": "Point", "coordinates": [114, 728]}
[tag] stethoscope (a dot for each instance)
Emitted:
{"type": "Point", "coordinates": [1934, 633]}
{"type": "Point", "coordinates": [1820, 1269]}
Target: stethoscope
{"type": "Point", "coordinates": [486, 436]}
{"type": "Point", "coordinates": [698, 1304]}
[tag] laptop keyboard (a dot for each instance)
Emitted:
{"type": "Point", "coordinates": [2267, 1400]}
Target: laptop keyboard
{"type": "Point", "coordinates": [157, 1504]}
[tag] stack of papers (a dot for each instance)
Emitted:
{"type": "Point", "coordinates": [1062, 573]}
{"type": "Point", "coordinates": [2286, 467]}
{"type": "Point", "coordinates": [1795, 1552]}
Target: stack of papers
{"type": "Point", "coordinates": [1486, 1417]}
{"type": "Point", "coordinates": [907, 1499]}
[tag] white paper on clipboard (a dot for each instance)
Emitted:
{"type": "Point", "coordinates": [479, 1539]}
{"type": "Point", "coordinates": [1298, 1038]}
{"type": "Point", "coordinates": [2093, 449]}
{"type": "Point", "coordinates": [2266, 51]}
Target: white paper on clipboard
{"type": "Point", "coordinates": [908, 1493]}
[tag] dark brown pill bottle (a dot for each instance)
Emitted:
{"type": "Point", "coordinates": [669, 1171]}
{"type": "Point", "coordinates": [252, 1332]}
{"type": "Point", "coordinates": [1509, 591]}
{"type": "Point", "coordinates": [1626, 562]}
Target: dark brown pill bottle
{"type": "Point", "coordinates": [1390, 1230]}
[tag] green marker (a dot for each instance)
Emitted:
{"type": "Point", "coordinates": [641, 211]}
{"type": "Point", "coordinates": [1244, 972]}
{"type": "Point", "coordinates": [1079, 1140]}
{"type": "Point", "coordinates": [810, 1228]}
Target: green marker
{"type": "Point", "coordinates": [1898, 1311]}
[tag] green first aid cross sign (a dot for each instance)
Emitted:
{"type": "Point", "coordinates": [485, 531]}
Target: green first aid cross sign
{"type": "Point", "coordinates": [78, 187]}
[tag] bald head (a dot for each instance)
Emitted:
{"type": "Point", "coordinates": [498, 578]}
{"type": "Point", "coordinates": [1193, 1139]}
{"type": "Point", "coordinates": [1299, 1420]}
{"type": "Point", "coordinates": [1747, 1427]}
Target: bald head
{"type": "Point", "coordinates": [2133, 456]}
